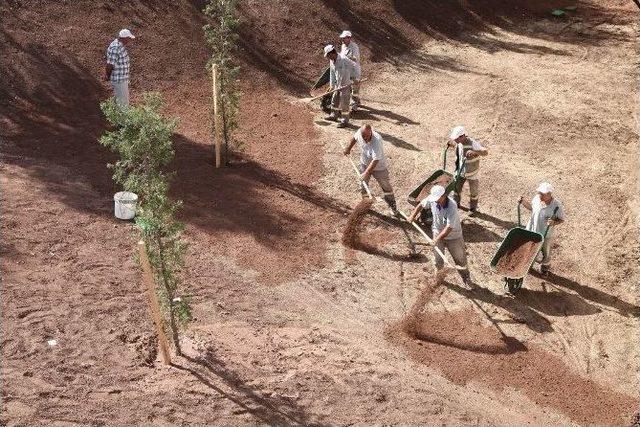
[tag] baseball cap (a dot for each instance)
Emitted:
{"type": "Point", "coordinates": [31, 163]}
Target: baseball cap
{"type": "Point", "coordinates": [345, 33]}
{"type": "Point", "coordinates": [544, 188]}
{"type": "Point", "coordinates": [328, 49]}
{"type": "Point", "coordinates": [457, 132]}
{"type": "Point", "coordinates": [125, 33]}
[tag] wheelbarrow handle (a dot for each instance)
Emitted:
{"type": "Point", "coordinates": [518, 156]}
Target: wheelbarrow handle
{"type": "Point", "coordinates": [546, 230]}
{"type": "Point", "coordinates": [444, 157]}
{"type": "Point", "coordinates": [519, 214]}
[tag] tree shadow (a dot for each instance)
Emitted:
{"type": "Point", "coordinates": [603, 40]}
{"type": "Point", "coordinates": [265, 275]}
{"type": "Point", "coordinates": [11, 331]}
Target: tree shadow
{"type": "Point", "coordinates": [274, 411]}
{"type": "Point", "coordinates": [520, 313]}
{"type": "Point", "coordinates": [622, 307]}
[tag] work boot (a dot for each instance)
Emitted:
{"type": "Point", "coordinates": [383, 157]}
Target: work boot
{"type": "Point", "coordinates": [343, 123]}
{"type": "Point", "coordinates": [333, 117]}
{"type": "Point", "coordinates": [545, 270]}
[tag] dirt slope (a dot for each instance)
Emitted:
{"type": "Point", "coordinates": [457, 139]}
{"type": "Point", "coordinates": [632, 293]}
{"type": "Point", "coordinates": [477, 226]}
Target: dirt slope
{"type": "Point", "coordinates": [291, 328]}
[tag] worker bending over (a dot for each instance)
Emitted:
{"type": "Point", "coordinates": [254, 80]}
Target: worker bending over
{"type": "Point", "coordinates": [469, 150]}
{"type": "Point", "coordinates": [542, 207]}
{"type": "Point", "coordinates": [446, 229]}
{"type": "Point", "coordinates": [351, 50]}
{"type": "Point", "coordinates": [373, 162]}
{"type": "Point", "coordinates": [342, 71]}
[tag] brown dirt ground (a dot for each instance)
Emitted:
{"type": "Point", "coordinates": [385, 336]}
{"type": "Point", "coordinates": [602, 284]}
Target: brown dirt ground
{"type": "Point", "coordinates": [292, 328]}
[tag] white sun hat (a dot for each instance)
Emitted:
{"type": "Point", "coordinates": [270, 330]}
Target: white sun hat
{"type": "Point", "coordinates": [126, 34]}
{"type": "Point", "coordinates": [457, 132]}
{"type": "Point", "coordinates": [328, 48]}
{"type": "Point", "coordinates": [544, 188]}
{"type": "Point", "coordinates": [345, 33]}
{"type": "Point", "coordinates": [436, 192]}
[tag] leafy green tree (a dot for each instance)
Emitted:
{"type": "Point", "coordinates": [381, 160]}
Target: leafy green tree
{"type": "Point", "coordinates": [142, 140]}
{"type": "Point", "coordinates": [222, 37]}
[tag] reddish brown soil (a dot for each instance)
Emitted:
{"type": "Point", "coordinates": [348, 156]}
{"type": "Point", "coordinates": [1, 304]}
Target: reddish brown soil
{"type": "Point", "coordinates": [516, 260]}
{"type": "Point", "coordinates": [67, 267]}
{"type": "Point", "coordinates": [465, 351]}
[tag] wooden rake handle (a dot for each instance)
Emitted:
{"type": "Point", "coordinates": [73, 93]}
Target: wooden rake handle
{"type": "Point", "coordinates": [430, 241]}
{"type": "Point", "coordinates": [355, 168]}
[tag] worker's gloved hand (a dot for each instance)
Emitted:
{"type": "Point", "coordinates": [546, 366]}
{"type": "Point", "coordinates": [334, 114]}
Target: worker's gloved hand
{"type": "Point", "coordinates": [471, 154]}
{"type": "Point", "coordinates": [520, 199]}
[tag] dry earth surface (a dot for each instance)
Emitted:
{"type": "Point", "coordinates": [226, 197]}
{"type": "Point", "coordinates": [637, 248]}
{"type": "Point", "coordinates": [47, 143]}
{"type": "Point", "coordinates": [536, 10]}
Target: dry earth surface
{"type": "Point", "coordinates": [291, 327]}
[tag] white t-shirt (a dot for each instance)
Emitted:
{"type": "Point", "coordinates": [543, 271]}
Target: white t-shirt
{"type": "Point", "coordinates": [371, 150]}
{"type": "Point", "coordinates": [353, 52]}
{"type": "Point", "coordinates": [541, 213]}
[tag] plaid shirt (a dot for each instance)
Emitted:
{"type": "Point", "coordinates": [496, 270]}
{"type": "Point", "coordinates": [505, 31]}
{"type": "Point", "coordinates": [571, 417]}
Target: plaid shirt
{"type": "Point", "coordinates": [118, 56]}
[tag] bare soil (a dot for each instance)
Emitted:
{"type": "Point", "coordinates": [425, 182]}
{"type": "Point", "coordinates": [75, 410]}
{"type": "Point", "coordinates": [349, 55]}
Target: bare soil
{"type": "Point", "coordinates": [291, 327]}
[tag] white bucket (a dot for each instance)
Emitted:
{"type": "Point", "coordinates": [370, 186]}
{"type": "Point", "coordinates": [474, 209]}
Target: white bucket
{"type": "Point", "coordinates": [125, 204]}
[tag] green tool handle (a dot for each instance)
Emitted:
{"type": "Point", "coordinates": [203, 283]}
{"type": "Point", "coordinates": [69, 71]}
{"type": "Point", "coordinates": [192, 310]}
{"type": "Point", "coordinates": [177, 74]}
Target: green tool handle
{"type": "Point", "coordinates": [444, 156]}
{"type": "Point", "coordinates": [519, 208]}
{"type": "Point", "coordinates": [544, 236]}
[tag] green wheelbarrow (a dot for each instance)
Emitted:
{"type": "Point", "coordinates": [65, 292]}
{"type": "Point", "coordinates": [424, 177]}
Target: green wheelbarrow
{"type": "Point", "coordinates": [517, 253]}
{"type": "Point", "coordinates": [323, 80]}
{"type": "Point", "coordinates": [440, 177]}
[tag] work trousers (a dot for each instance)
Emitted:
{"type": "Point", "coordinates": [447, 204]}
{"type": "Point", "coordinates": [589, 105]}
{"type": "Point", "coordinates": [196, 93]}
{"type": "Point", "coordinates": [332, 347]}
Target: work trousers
{"type": "Point", "coordinates": [544, 258]}
{"type": "Point", "coordinates": [474, 192]}
{"type": "Point", "coordinates": [355, 93]}
{"type": "Point", "coordinates": [340, 100]}
{"type": "Point", "coordinates": [457, 251]}
{"type": "Point", "coordinates": [121, 92]}
{"type": "Point", "coordinates": [382, 176]}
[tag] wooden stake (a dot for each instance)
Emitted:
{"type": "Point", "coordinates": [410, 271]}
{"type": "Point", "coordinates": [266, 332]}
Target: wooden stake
{"type": "Point", "coordinates": [216, 113]}
{"type": "Point", "coordinates": [154, 305]}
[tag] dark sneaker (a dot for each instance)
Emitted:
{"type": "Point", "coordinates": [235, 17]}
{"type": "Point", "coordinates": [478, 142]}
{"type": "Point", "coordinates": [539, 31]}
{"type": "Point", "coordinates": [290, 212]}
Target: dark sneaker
{"type": "Point", "coordinates": [331, 118]}
{"type": "Point", "coordinates": [343, 124]}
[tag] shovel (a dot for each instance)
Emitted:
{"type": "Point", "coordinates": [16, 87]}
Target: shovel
{"type": "Point", "coordinates": [313, 98]}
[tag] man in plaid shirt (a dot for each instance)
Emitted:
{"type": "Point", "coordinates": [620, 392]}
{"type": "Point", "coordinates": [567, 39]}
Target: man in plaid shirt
{"type": "Point", "coordinates": [118, 65]}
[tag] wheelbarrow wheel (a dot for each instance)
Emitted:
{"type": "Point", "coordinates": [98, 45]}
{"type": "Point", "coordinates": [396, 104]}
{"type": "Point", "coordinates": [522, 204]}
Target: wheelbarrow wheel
{"type": "Point", "coordinates": [425, 217]}
{"type": "Point", "coordinates": [325, 103]}
{"type": "Point", "coordinates": [512, 285]}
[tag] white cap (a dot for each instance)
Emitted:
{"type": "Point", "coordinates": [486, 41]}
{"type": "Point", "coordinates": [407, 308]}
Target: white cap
{"type": "Point", "coordinates": [544, 188]}
{"type": "Point", "coordinates": [327, 49]}
{"type": "Point", "coordinates": [457, 132]}
{"type": "Point", "coordinates": [345, 33]}
{"type": "Point", "coordinates": [124, 34]}
{"type": "Point", "coordinates": [436, 192]}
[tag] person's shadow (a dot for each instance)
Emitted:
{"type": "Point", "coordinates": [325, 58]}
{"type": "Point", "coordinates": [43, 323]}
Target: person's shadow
{"type": "Point", "coordinates": [519, 312]}
{"type": "Point", "coordinates": [622, 307]}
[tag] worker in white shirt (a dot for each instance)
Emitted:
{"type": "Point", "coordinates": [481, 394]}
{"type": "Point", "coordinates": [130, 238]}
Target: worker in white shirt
{"type": "Point", "coordinates": [446, 229]}
{"type": "Point", "coordinates": [469, 149]}
{"type": "Point", "coordinates": [373, 162]}
{"type": "Point", "coordinates": [341, 73]}
{"type": "Point", "coordinates": [351, 50]}
{"type": "Point", "coordinates": [546, 211]}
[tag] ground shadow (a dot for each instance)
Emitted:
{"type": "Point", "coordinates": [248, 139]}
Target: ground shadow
{"type": "Point", "coordinates": [369, 113]}
{"type": "Point", "coordinates": [507, 225]}
{"type": "Point", "coordinates": [274, 411]}
{"type": "Point", "coordinates": [519, 312]}
{"type": "Point", "coordinates": [622, 307]}
{"type": "Point", "coordinates": [475, 233]}
{"type": "Point", "coordinates": [556, 303]}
